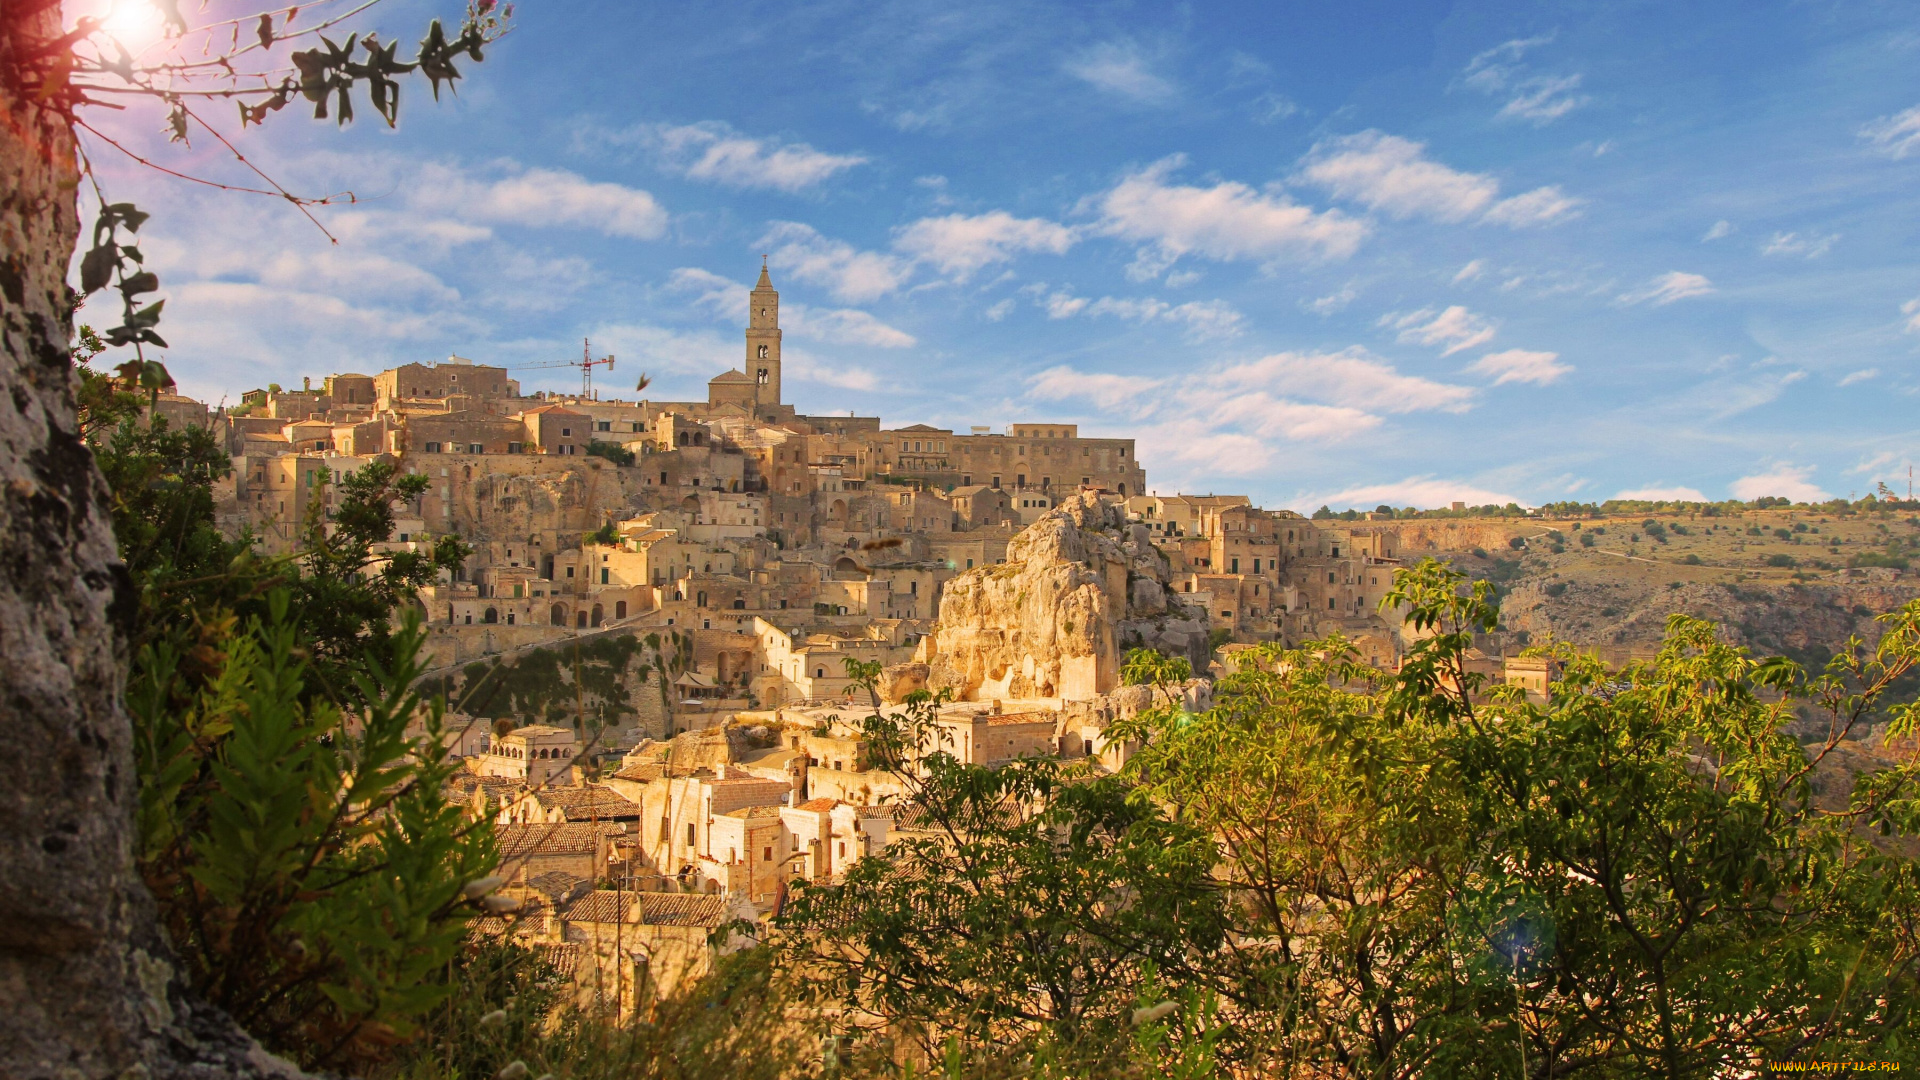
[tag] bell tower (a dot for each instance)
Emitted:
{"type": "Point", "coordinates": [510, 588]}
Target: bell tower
{"type": "Point", "coordinates": [763, 339]}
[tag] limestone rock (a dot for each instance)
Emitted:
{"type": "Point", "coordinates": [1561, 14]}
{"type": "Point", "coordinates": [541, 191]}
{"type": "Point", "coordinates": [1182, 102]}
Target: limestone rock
{"type": "Point", "coordinates": [1078, 586]}
{"type": "Point", "coordinates": [899, 680]}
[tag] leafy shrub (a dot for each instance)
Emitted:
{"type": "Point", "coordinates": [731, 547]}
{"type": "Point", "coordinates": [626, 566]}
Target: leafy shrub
{"type": "Point", "coordinates": [1875, 558]}
{"type": "Point", "coordinates": [1782, 560]}
{"type": "Point", "coordinates": [1586, 538]}
{"type": "Point", "coordinates": [1691, 559]}
{"type": "Point", "coordinates": [611, 451]}
{"type": "Point", "coordinates": [1517, 542]}
{"type": "Point", "coordinates": [1558, 588]}
{"type": "Point", "coordinates": [307, 863]}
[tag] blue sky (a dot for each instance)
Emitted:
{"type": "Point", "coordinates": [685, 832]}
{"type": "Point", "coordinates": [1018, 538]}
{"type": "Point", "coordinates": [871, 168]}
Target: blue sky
{"type": "Point", "coordinates": [1365, 252]}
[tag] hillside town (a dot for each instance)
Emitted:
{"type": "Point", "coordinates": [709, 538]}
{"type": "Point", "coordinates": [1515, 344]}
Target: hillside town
{"type": "Point", "coordinates": [756, 551]}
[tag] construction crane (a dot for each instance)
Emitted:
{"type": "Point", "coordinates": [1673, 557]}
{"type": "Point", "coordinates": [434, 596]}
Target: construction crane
{"type": "Point", "coordinates": [586, 364]}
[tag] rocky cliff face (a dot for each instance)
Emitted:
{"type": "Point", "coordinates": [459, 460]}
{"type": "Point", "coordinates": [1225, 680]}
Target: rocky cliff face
{"type": "Point", "coordinates": [1078, 587]}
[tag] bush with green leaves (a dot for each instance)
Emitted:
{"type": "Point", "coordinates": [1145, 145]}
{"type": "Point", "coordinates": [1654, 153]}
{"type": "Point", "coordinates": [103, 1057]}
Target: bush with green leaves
{"type": "Point", "coordinates": [292, 823]}
{"type": "Point", "coordinates": [311, 872]}
{"type": "Point", "coordinates": [1021, 911]}
{"type": "Point", "coordinates": [1432, 875]}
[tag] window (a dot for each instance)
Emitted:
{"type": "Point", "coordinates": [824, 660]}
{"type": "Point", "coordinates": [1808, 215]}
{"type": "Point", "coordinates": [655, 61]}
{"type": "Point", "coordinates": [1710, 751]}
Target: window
{"type": "Point", "coordinates": [570, 571]}
{"type": "Point", "coordinates": [433, 448]}
{"type": "Point", "coordinates": [689, 834]}
{"type": "Point", "coordinates": [475, 448]}
{"type": "Point", "coordinates": [566, 433]}
{"type": "Point", "coordinates": [605, 425]}
{"type": "Point", "coordinates": [603, 575]}
{"type": "Point", "coordinates": [513, 448]}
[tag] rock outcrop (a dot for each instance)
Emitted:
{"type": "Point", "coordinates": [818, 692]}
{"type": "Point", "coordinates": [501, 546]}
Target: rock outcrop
{"type": "Point", "coordinates": [1079, 586]}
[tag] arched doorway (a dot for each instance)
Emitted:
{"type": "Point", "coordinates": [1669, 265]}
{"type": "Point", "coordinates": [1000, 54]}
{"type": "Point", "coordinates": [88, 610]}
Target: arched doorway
{"type": "Point", "coordinates": [559, 615]}
{"type": "Point", "coordinates": [596, 614]}
{"type": "Point", "coordinates": [619, 610]}
{"type": "Point", "coordinates": [580, 620]}
{"type": "Point", "coordinates": [491, 616]}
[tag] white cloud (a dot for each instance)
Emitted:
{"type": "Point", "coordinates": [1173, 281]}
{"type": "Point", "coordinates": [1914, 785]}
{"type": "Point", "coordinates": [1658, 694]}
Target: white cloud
{"type": "Point", "coordinates": [1228, 419]}
{"type": "Point", "coordinates": [1657, 493]}
{"type": "Point", "coordinates": [1456, 328]}
{"type": "Point", "coordinates": [1271, 108]}
{"type": "Point", "coordinates": [1668, 287]}
{"type": "Point", "coordinates": [1783, 480]}
{"type": "Point", "coordinates": [721, 297]}
{"type": "Point", "coordinates": [1876, 462]}
{"type": "Point", "coordinates": [714, 151]}
{"type": "Point", "coordinates": [1719, 230]}
{"type": "Point", "coordinates": [847, 272]}
{"type": "Point", "coordinates": [1121, 68]}
{"type": "Point", "coordinates": [1182, 278]}
{"type": "Point", "coordinates": [1327, 305]}
{"type": "Point", "coordinates": [1000, 310]}
{"type": "Point", "coordinates": [1264, 415]}
{"type": "Point", "coordinates": [1116, 392]}
{"type": "Point", "coordinates": [842, 326]}
{"type": "Point", "coordinates": [808, 368]}
{"type": "Point", "coordinates": [1731, 398]}
{"type": "Point", "coordinates": [1491, 69]}
{"type": "Point", "coordinates": [1541, 206]}
{"type": "Point", "coordinates": [1470, 271]}
{"type": "Point", "coordinates": [1544, 99]}
{"type": "Point", "coordinates": [1351, 377]}
{"type": "Point", "coordinates": [725, 299]}
{"type": "Point", "coordinates": [1205, 320]}
{"type": "Point", "coordinates": [1860, 376]}
{"type": "Point", "coordinates": [1911, 309]}
{"type": "Point", "coordinates": [656, 349]}
{"type": "Point", "coordinates": [1895, 136]}
{"type": "Point", "coordinates": [1424, 492]}
{"type": "Point", "coordinates": [960, 245]}
{"type": "Point", "coordinates": [1064, 305]}
{"type": "Point", "coordinates": [544, 197]}
{"type": "Point", "coordinates": [1226, 222]}
{"type": "Point", "coordinates": [1812, 245]}
{"type": "Point", "coordinates": [1394, 176]}
{"type": "Point", "coordinates": [1521, 365]}
{"type": "Point", "coordinates": [1539, 98]}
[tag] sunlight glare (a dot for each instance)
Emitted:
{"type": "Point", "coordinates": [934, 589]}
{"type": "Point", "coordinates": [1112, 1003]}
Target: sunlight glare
{"type": "Point", "coordinates": [134, 23]}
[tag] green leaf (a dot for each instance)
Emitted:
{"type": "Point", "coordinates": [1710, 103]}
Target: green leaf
{"type": "Point", "coordinates": [97, 266]}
